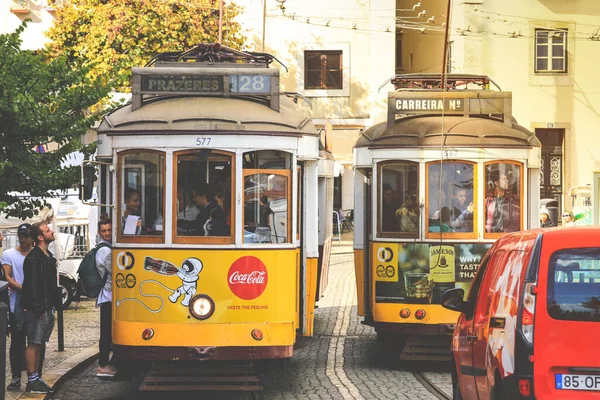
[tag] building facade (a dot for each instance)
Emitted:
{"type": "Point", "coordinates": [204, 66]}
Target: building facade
{"type": "Point", "coordinates": [544, 51]}
{"type": "Point", "coordinates": [338, 54]}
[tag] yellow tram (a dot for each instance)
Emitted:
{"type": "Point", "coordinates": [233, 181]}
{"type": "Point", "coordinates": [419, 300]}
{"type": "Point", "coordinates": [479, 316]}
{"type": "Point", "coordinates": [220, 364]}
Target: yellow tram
{"type": "Point", "coordinates": [447, 174]}
{"type": "Point", "coordinates": [215, 181]}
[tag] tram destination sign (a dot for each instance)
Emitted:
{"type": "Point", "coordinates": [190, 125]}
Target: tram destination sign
{"type": "Point", "coordinates": [417, 106]}
{"type": "Point", "coordinates": [210, 80]}
{"type": "Point", "coordinates": [185, 84]}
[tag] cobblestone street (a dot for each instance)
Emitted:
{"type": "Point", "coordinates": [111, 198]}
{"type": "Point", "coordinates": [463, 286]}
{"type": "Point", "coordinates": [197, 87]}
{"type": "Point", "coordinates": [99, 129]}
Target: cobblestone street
{"type": "Point", "coordinates": [342, 361]}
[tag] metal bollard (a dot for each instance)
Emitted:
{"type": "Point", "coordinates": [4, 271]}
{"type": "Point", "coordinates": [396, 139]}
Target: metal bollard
{"type": "Point", "coordinates": [3, 324]}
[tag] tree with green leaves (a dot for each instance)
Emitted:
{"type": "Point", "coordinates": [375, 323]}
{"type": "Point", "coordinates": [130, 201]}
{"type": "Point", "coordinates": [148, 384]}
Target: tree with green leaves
{"type": "Point", "coordinates": [43, 100]}
{"type": "Point", "coordinates": [119, 35]}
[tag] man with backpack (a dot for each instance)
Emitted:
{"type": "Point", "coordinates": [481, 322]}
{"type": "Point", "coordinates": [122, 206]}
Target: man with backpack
{"type": "Point", "coordinates": [104, 265]}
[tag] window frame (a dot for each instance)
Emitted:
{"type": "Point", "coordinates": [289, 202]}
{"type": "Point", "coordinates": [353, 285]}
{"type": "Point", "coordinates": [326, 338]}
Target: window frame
{"type": "Point", "coordinates": [139, 239]}
{"type": "Point", "coordinates": [452, 235]}
{"type": "Point", "coordinates": [203, 239]}
{"type": "Point", "coordinates": [497, 235]}
{"type": "Point", "coordinates": [283, 172]}
{"type": "Point", "coordinates": [323, 69]}
{"type": "Point", "coordinates": [378, 199]}
{"type": "Point", "coordinates": [550, 44]}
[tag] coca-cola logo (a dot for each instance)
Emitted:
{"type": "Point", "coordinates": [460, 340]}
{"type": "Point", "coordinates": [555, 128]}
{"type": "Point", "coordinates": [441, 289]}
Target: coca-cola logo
{"type": "Point", "coordinates": [247, 277]}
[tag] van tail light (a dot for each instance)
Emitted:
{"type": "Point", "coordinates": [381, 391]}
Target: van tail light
{"type": "Point", "coordinates": [525, 387]}
{"type": "Point", "coordinates": [528, 312]}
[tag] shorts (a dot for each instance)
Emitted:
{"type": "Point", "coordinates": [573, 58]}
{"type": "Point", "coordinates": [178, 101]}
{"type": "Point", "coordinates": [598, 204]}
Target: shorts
{"type": "Point", "coordinates": [39, 329]}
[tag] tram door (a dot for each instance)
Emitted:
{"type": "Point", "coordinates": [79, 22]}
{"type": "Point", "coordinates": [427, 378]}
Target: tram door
{"type": "Point", "coordinates": [551, 171]}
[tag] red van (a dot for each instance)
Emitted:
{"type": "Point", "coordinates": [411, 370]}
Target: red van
{"type": "Point", "coordinates": [530, 324]}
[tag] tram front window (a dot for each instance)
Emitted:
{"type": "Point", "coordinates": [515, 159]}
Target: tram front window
{"type": "Point", "coordinates": [267, 176]}
{"type": "Point", "coordinates": [502, 201]}
{"type": "Point", "coordinates": [203, 196]}
{"type": "Point", "coordinates": [398, 199]}
{"type": "Point", "coordinates": [141, 193]}
{"type": "Point", "coordinates": [450, 197]}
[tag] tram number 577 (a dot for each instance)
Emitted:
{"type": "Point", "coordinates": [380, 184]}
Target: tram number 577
{"type": "Point", "coordinates": [203, 141]}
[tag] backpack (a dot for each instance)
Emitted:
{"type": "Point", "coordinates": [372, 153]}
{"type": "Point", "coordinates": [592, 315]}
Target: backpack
{"type": "Point", "coordinates": [89, 276]}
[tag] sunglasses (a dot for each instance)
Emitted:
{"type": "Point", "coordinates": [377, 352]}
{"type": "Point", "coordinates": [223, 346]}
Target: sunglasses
{"type": "Point", "coordinates": [566, 215]}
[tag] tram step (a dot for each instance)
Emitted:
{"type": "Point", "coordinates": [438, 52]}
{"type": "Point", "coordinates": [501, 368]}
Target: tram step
{"type": "Point", "coordinates": [427, 348]}
{"type": "Point", "coordinates": [193, 388]}
{"type": "Point", "coordinates": [175, 370]}
{"type": "Point", "coordinates": [187, 379]}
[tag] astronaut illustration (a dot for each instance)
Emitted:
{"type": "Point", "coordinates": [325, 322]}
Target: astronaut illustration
{"type": "Point", "coordinates": [190, 268]}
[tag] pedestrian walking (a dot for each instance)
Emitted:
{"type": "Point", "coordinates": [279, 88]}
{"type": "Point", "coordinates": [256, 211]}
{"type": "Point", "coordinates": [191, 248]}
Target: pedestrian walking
{"type": "Point", "coordinates": [545, 220]}
{"type": "Point", "coordinates": [12, 265]}
{"type": "Point", "coordinates": [39, 295]}
{"type": "Point", "coordinates": [104, 301]}
{"type": "Point", "coordinates": [567, 219]}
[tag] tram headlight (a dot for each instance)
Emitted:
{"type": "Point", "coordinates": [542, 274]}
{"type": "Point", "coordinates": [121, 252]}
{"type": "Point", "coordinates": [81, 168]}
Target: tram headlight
{"type": "Point", "coordinates": [202, 306]}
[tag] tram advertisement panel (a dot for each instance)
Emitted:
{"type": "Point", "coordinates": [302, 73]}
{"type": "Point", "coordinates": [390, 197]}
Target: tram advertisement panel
{"type": "Point", "coordinates": [419, 273]}
{"type": "Point", "coordinates": [243, 286]}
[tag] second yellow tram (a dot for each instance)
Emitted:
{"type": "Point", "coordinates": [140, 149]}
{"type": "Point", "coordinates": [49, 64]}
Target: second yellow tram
{"type": "Point", "coordinates": [447, 174]}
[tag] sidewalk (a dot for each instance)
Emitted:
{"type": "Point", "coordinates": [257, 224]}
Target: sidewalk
{"type": "Point", "coordinates": [344, 246]}
{"type": "Point", "coordinates": [81, 333]}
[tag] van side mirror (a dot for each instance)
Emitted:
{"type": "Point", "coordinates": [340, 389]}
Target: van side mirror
{"type": "Point", "coordinates": [452, 299]}
{"type": "Point", "coordinates": [88, 177]}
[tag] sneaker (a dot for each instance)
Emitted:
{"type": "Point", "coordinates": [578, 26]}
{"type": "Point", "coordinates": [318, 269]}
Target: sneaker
{"type": "Point", "coordinates": [107, 371]}
{"type": "Point", "coordinates": [15, 384]}
{"type": "Point", "coordinates": [37, 386]}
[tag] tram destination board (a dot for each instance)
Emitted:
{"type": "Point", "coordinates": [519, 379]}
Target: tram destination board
{"type": "Point", "coordinates": [226, 81]}
{"type": "Point", "coordinates": [182, 83]}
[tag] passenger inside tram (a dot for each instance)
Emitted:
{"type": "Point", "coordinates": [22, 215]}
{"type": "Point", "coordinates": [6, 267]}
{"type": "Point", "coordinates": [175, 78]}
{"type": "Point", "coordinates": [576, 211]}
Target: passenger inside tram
{"type": "Point", "coordinates": [132, 221]}
{"type": "Point", "coordinates": [389, 206]}
{"type": "Point", "coordinates": [216, 224]}
{"type": "Point", "coordinates": [461, 214]}
{"type": "Point", "coordinates": [186, 210]}
{"type": "Point", "coordinates": [502, 210]}
{"type": "Point", "coordinates": [408, 214]}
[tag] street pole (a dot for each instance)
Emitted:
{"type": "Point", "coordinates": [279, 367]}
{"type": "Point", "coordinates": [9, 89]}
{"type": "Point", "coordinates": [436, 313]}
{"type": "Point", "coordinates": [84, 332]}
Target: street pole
{"type": "Point", "coordinates": [220, 21]}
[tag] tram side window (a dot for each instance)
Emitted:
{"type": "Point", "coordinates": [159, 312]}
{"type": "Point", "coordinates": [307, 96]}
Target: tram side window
{"type": "Point", "coordinates": [142, 202]}
{"type": "Point", "coordinates": [267, 179]}
{"type": "Point", "coordinates": [203, 202]}
{"type": "Point", "coordinates": [450, 197]}
{"type": "Point", "coordinates": [398, 199]}
{"type": "Point", "coordinates": [502, 201]}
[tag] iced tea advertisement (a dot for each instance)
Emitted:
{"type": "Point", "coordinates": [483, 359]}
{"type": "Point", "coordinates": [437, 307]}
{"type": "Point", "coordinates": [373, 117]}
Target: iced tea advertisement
{"type": "Point", "coordinates": [162, 285]}
{"type": "Point", "coordinates": [418, 273]}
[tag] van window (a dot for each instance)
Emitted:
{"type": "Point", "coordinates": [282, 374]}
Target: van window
{"type": "Point", "coordinates": [574, 285]}
{"type": "Point", "coordinates": [489, 285]}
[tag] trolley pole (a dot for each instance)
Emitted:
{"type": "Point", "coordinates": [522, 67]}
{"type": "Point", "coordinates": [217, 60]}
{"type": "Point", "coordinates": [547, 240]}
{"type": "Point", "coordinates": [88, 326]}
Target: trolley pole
{"type": "Point", "coordinates": [446, 37]}
{"type": "Point", "coordinates": [220, 21]}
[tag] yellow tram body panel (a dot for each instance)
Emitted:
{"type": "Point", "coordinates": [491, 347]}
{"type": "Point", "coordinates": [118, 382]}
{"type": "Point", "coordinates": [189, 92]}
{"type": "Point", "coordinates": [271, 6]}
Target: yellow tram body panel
{"type": "Point", "coordinates": [250, 289]}
{"type": "Point", "coordinates": [414, 275]}
{"type": "Point", "coordinates": [359, 270]}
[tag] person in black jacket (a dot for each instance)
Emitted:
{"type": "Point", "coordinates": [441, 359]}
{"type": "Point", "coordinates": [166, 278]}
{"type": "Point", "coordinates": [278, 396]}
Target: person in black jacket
{"type": "Point", "coordinates": [39, 295]}
{"type": "Point", "coordinates": [545, 220]}
{"type": "Point", "coordinates": [203, 197]}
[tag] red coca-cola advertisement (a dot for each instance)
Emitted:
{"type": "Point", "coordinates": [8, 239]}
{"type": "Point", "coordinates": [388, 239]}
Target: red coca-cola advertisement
{"type": "Point", "coordinates": [247, 277]}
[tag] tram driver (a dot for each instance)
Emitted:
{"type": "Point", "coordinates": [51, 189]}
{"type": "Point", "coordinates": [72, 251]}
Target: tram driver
{"type": "Point", "coordinates": [461, 218]}
{"type": "Point", "coordinates": [203, 198]}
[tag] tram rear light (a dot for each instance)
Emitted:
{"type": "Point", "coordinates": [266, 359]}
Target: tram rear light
{"type": "Point", "coordinates": [148, 334]}
{"type": "Point", "coordinates": [420, 314]}
{"type": "Point", "coordinates": [404, 313]}
{"type": "Point", "coordinates": [257, 334]}
{"type": "Point", "coordinates": [202, 306]}
{"type": "Point", "coordinates": [525, 387]}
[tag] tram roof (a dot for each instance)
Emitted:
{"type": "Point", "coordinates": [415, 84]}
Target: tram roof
{"type": "Point", "coordinates": [180, 114]}
{"type": "Point", "coordinates": [426, 131]}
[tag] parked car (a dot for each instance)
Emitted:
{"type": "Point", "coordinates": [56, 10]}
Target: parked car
{"type": "Point", "coordinates": [529, 325]}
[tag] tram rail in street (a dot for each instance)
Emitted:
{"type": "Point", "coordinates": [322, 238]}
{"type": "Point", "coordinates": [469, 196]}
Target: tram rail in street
{"type": "Point", "coordinates": [430, 386]}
